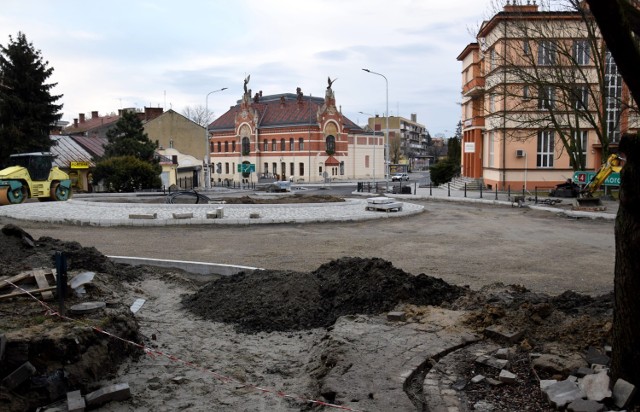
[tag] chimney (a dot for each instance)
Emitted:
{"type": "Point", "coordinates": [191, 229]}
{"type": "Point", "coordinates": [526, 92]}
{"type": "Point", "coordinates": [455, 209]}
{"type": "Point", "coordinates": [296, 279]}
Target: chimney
{"type": "Point", "coordinates": [414, 117]}
{"type": "Point", "coordinates": [94, 114]}
{"type": "Point", "coordinates": [81, 117]}
{"type": "Point", "coordinates": [515, 7]}
{"type": "Point", "coordinates": [75, 122]}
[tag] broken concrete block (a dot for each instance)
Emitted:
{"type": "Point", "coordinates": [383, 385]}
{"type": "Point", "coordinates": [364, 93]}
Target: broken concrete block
{"type": "Point", "coordinates": [582, 405]}
{"type": "Point", "coordinates": [596, 386]}
{"type": "Point", "coordinates": [396, 316]}
{"type": "Point", "coordinates": [75, 401]}
{"type": "Point", "coordinates": [623, 391]}
{"type": "Point", "coordinates": [137, 304]}
{"type": "Point", "coordinates": [492, 362]}
{"type": "Point", "coordinates": [494, 382]}
{"type": "Point", "coordinates": [555, 364]}
{"type": "Point", "coordinates": [18, 376]}
{"type": "Point", "coordinates": [562, 393]}
{"type": "Point", "coordinates": [582, 371]}
{"type": "Point", "coordinates": [503, 334]}
{"type": "Point", "coordinates": [143, 216]}
{"type": "Point", "coordinates": [506, 376]}
{"type": "Point", "coordinates": [183, 215]}
{"type": "Point", "coordinates": [116, 392]}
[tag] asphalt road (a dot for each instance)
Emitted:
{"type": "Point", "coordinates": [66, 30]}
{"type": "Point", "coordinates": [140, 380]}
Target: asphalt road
{"type": "Point", "coordinates": [464, 244]}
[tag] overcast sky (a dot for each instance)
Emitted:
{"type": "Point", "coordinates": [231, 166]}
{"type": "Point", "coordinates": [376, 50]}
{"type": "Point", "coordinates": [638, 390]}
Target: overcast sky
{"type": "Point", "coordinates": [114, 54]}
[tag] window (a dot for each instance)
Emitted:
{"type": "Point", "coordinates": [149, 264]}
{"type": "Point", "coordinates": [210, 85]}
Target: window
{"type": "Point", "coordinates": [526, 94]}
{"type": "Point", "coordinates": [292, 169]}
{"type": "Point", "coordinates": [366, 161]}
{"type": "Point", "coordinates": [219, 147]}
{"type": "Point", "coordinates": [226, 167]}
{"type": "Point", "coordinates": [266, 145]}
{"type": "Point", "coordinates": [492, 103]}
{"type": "Point", "coordinates": [292, 145]}
{"type": "Point", "coordinates": [330, 145]}
{"type": "Point", "coordinates": [274, 169]}
{"type": "Point", "coordinates": [266, 167]}
{"type": "Point", "coordinates": [581, 52]}
{"type": "Point", "coordinates": [545, 148]}
{"type": "Point", "coordinates": [246, 146]}
{"type": "Point", "coordinates": [282, 145]}
{"type": "Point", "coordinates": [274, 147]}
{"type": "Point", "coordinates": [526, 48]}
{"type": "Point", "coordinates": [613, 92]}
{"type": "Point", "coordinates": [546, 53]}
{"type": "Point", "coordinates": [301, 169]}
{"type": "Point", "coordinates": [492, 59]}
{"type": "Point", "coordinates": [233, 146]}
{"type": "Point", "coordinates": [301, 143]}
{"type": "Point", "coordinates": [579, 143]}
{"type": "Point", "coordinates": [546, 97]}
{"type": "Point", "coordinates": [580, 97]}
{"type": "Point", "coordinates": [492, 139]}
{"type": "Point", "coordinates": [226, 146]}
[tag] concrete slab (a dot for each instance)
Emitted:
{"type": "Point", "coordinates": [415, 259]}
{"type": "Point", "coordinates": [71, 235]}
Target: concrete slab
{"type": "Point", "coordinates": [117, 392]}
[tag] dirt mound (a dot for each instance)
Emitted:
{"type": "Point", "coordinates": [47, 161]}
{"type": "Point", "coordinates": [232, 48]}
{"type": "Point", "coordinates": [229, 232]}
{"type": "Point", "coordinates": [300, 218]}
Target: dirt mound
{"type": "Point", "coordinates": [285, 300]}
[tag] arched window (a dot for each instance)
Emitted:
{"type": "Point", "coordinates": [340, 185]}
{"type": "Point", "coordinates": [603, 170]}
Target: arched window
{"type": "Point", "coordinates": [283, 146]}
{"type": "Point", "coordinates": [246, 146]}
{"type": "Point", "coordinates": [233, 146]}
{"type": "Point", "coordinates": [226, 146]}
{"type": "Point", "coordinates": [330, 145]}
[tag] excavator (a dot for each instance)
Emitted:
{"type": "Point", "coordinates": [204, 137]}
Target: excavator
{"type": "Point", "coordinates": [585, 198]}
{"type": "Point", "coordinates": [32, 175]}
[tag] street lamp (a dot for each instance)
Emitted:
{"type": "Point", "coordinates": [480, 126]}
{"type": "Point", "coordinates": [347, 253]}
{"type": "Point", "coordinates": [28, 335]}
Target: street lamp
{"type": "Point", "coordinates": [386, 137]}
{"type": "Point", "coordinates": [374, 146]}
{"type": "Point", "coordinates": [207, 152]}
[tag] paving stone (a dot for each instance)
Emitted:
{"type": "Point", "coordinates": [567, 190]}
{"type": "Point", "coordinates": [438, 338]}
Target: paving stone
{"type": "Point", "coordinates": [506, 376]}
{"type": "Point", "coordinates": [582, 405]}
{"type": "Point", "coordinates": [503, 353]}
{"type": "Point", "coordinates": [116, 392]}
{"type": "Point", "coordinates": [555, 364]}
{"type": "Point", "coordinates": [183, 215]}
{"type": "Point", "coordinates": [18, 376]}
{"type": "Point", "coordinates": [477, 379]}
{"type": "Point", "coordinates": [596, 386]}
{"type": "Point", "coordinates": [593, 355]}
{"type": "Point", "coordinates": [503, 334]}
{"type": "Point", "coordinates": [562, 393]}
{"type": "Point", "coordinates": [494, 382]}
{"type": "Point", "coordinates": [623, 391]}
{"type": "Point", "coordinates": [87, 307]}
{"type": "Point", "coordinates": [75, 401]}
{"type": "Point", "coordinates": [396, 316]}
{"type": "Point", "coordinates": [547, 382]}
{"type": "Point", "coordinates": [143, 216]}
{"type": "Point", "coordinates": [492, 362]}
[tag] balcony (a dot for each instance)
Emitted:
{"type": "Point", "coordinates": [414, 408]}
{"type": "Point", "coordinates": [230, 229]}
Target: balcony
{"type": "Point", "coordinates": [477, 121]}
{"type": "Point", "coordinates": [474, 88]}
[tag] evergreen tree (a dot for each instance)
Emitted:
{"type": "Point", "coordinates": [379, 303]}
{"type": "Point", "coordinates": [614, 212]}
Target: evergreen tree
{"type": "Point", "coordinates": [127, 138]}
{"type": "Point", "coordinates": [28, 111]}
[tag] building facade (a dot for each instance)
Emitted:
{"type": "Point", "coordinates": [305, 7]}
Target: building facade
{"type": "Point", "coordinates": [538, 100]}
{"type": "Point", "coordinates": [291, 137]}
{"type": "Point", "coordinates": [408, 141]}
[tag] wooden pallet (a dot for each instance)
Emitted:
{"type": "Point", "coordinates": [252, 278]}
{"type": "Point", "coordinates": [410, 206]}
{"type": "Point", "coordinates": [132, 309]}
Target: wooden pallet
{"type": "Point", "coordinates": [38, 278]}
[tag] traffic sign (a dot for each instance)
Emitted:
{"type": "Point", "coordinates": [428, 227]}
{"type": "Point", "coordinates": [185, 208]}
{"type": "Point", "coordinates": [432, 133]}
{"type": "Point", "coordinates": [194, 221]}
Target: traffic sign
{"type": "Point", "coordinates": [246, 168]}
{"type": "Point", "coordinates": [583, 178]}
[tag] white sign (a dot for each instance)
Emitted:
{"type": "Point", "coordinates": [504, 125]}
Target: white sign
{"type": "Point", "coordinates": [470, 147]}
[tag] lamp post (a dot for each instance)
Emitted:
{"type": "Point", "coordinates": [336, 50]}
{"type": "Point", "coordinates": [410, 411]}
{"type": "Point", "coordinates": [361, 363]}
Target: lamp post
{"type": "Point", "coordinates": [386, 132]}
{"type": "Point", "coordinates": [207, 179]}
{"type": "Point", "coordinates": [374, 146]}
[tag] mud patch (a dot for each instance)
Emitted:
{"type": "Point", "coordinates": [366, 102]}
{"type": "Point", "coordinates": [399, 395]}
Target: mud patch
{"type": "Point", "coordinates": [266, 301]}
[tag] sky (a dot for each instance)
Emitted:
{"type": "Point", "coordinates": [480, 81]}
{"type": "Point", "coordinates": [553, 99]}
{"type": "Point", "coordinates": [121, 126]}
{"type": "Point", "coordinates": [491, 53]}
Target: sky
{"type": "Point", "coordinates": [172, 54]}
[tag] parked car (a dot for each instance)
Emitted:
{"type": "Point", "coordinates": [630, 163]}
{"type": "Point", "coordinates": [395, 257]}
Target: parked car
{"type": "Point", "coordinates": [398, 177]}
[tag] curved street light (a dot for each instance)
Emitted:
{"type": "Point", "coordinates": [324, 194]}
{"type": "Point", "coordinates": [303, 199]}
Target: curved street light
{"type": "Point", "coordinates": [386, 137]}
{"type": "Point", "coordinates": [207, 152]}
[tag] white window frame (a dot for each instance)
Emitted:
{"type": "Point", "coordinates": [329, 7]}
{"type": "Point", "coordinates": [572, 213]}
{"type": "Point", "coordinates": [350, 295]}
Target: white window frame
{"type": "Point", "coordinates": [545, 149]}
{"type": "Point", "coordinates": [547, 51]}
{"type": "Point", "coordinates": [581, 52]}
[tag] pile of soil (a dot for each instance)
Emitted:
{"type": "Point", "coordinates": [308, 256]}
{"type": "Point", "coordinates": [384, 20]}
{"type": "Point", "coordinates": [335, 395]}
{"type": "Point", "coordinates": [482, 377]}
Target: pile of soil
{"type": "Point", "coordinates": [266, 301]}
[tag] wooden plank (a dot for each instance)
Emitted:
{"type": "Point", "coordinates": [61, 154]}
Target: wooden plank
{"type": "Point", "coordinates": [43, 283]}
{"type": "Point", "coordinates": [21, 293]}
{"type": "Point", "coordinates": [17, 278]}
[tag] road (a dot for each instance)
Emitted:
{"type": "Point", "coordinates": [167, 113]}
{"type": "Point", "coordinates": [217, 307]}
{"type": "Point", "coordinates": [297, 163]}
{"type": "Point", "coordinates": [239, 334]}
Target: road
{"type": "Point", "coordinates": [463, 244]}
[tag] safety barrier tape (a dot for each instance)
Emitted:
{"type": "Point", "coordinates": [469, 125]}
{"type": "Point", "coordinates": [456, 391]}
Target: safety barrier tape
{"type": "Point", "coordinates": [156, 353]}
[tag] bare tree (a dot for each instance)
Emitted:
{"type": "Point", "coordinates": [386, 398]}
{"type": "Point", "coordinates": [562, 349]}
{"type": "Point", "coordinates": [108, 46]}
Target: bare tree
{"type": "Point", "coordinates": [551, 72]}
{"type": "Point", "coordinates": [395, 148]}
{"type": "Point", "coordinates": [199, 114]}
